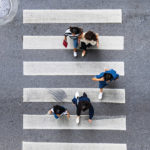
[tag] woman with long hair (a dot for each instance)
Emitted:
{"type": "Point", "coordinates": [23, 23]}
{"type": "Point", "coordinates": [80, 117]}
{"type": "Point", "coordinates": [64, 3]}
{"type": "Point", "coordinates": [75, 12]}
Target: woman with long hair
{"type": "Point", "coordinates": [89, 39]}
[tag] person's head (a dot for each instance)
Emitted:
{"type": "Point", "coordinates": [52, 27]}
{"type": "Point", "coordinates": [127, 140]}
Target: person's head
{"type": "Point", "coordinates": [84, 105]}
{"type": "Point", "coordinates": [108, 76]}
{"type": "Point", "coordinates": [76, 30]}
{"type": "Point", "coordinates": [90, 36]}
{"type": "Point", "coordinates": [57, 110]}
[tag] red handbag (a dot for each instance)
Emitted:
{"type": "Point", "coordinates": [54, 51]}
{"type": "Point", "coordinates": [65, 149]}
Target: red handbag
{"type": "Point", "coordinates": [65, 43]}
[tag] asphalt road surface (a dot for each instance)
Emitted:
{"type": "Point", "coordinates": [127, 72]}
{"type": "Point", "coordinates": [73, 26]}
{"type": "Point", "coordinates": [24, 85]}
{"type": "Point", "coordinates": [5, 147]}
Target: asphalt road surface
{"type": "Point", "coordinates": [36, 70]}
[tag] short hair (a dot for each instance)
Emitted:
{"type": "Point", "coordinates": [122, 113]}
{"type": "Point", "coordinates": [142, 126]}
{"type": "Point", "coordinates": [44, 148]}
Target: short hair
{"type": "Point", "coordinates": [76, 30]}
{"type": "Point", "coordinates": [90, 35]}
{"type": "Point", "coordinates": [58, 109]}
{"type": "Point", "coordinates": [108, 76]}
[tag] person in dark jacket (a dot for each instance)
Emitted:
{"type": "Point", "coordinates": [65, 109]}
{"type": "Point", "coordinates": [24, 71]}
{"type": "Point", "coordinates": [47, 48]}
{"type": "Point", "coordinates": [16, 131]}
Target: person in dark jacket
{"type": "Point", "coordinates": [59, 111]}
{"type": "Point", "coordinates": [104, 78]}
{"type": "Point", "coordinates": [82, 104]}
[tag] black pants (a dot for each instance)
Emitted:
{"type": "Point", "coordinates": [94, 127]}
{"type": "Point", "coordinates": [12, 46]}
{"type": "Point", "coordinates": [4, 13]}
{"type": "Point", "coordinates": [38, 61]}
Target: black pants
{"type": "Point", "coordinates": [84, 46]}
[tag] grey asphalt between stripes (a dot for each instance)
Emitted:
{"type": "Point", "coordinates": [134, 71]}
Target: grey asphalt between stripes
{"type": "Point", "coordinates": [135, 28]}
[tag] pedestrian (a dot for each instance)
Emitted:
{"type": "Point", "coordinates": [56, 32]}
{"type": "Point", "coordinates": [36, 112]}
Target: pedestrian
{"type": "Point", "coordinates": [59, 111]}
{"type": "Point", "coordinates": [82, 104]}
{"type": "Point", "coordinates": [87, 40]}
{"type": "Point", "coordinates": [75, 34]}
{"type": "Point", "coordinates": [104, 79]}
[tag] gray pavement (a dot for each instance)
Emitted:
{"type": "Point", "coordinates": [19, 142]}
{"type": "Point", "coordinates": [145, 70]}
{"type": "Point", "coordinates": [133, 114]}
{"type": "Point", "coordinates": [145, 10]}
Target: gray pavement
{"type": "Point", "coordinates": [135, 29]}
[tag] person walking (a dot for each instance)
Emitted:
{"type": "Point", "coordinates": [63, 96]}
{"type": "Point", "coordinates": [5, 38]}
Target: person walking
{"type": "Point", "coordinates": [59, 111]}
{"type": "Point", "coordinates": [104, 79]}
{"type": "Point", "coordinates": [75, 34]}
{"type": "Point", "coordinates": [83, 103]}
{"type": "Point", "coordinates": [87, 40]}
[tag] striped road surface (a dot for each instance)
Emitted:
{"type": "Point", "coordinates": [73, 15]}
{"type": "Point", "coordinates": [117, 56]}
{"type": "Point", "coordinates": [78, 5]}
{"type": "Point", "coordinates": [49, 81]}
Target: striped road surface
{"type": "Point", "coordinates": [66, 94]}
{"type": "Point", "coordinates": [72, 146]}
{"type": "Point", "coordinates": [70, 68]}
{"type": "Point", "coordinates": [55, 42]}
{"type": "Point", "coordinates": [36, 68]}
{"type": "Point", "coordinates": [49, 122]}
{"type": "Point", "coordinates": [73, 16]}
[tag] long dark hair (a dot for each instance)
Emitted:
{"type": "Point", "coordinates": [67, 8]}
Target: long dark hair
{"type": "Point", "coordinates": [76, 30]}
{"type": "Point", "coordinates": [90, 35]}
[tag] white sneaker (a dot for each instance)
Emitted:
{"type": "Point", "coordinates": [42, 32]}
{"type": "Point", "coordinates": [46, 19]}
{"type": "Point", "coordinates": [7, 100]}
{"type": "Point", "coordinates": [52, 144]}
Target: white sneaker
{"type": "Point", "coordinates": [100, 95]}
{"type": "Point", "coordinates": [77, 120]}
{"type": "Point", "coordinates": [75, 54]}
{"type": "Point", "coordinates": [77, 95]}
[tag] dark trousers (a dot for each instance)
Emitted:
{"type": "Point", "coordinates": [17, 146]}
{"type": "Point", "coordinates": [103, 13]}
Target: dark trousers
{"type": "Point", "coordinates": [84, 46]}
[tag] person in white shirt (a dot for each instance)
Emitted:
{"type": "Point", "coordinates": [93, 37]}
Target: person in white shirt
{"type": "Point", "coordinates": [75, 34]}
{"type": "Point", "coordinates": [87, 40]}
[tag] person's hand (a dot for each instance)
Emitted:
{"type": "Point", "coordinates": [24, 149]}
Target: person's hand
{"type": "Point", "coordinates": [49, 112]}
{"type": "Point", "coordinates": [68, 115]}
{"type": "Point", "coordinates": [93, 79]}
{"type": "Point", "coordinates": [65, 38]}
{"type": "Point", "coordinates": [78, 41]}
{"type": "Point", "coordinates": [97, 44]}
{"type": "Point", "coordinates": [90, 121]}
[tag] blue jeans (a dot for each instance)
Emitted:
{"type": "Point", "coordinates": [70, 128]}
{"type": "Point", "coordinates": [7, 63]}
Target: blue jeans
{"type": "Point", "coordinates": [75, 43]}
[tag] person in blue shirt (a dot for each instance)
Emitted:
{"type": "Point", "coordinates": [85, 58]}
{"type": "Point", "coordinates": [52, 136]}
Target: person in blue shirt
{"type": "Point", "coordinates": [59, 111]}
{"type": "Point", "coordinates": [104, 79]}
{"type": "Point", "coordinates": [83, 103]}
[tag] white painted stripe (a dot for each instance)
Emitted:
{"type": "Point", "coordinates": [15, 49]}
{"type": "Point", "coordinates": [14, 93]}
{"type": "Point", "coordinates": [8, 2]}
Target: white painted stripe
{"type": "Point", "coordinates": [72, 146]}
{"type": "Point", "coordinates": [73, 16]}
{"type": "Point", "coordinates": [70, 68]}
{"type": "Point", "coordinates": [55, 42]}
{"type": "Point", "coordinates": [66, 94]}
{"type": "Point", "coordinates": [49, 122]}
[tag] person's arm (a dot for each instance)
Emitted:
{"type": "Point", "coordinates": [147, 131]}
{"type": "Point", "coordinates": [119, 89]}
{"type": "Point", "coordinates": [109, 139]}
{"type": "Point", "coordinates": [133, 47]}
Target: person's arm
{"type": "Point", "coordinates": [97, 37]}
{"type": "Point", "coordinates": [79, 37]}
{"type": "Point", "coordinates": [50, 112]}
{"type": "Point", "coordinates": [65, 38]}
{"type": "Point", "coordinates": [66, 34]}
{"type": "Point", "coordinates": [106, 69]}
{"type": "Point", "coordinates": [95, 79]}
{"type": "Point", "coordinates": [68, 114]}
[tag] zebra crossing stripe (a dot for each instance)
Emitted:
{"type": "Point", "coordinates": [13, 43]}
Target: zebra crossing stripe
{"type": "Point", "coordinates": [66, 94]}
{"type": "Point", "coordinates": [49, 122]}
{"type": "Point", "coordinates": [70, 68]}
{"type": "Point", "coordinates": [73, 16]}
{"type": "Point", "coordinates": [55, 42]}
{"type": "Point", "coordinates": [72, 146]}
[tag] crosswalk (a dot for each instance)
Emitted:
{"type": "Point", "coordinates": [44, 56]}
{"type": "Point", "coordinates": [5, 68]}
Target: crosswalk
{"type": "Point", "coordinates": [71, 68]}
{"type": "Point", "coordinates": [72, 16]}
{"type": "Point", "coordinates": [49, 122]}
{"type": "Point", "coordinates": [65, 95]}
{"type": "Point", "coordinates": [55, 42]}
{"type": "Point", "coordinates": [72, 146]}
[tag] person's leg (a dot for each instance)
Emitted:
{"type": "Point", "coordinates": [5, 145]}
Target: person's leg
{"type": "Point", "coordinates": [100, 94]}
{"type": "Point", "coordinates": [83, 47]}
{"type": "Point", "coordinates": [101, 90]}
{"type": "Point", "coordinates": [78, 114]}
{"type": "Point", "coordinates": [102, 84]}
{"type": "Point", "coordinates": [75, 44]}
{"type": "Point", "coordinates": [83, 53]}
{"type": "Point", "coordinates": [78, 120]}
